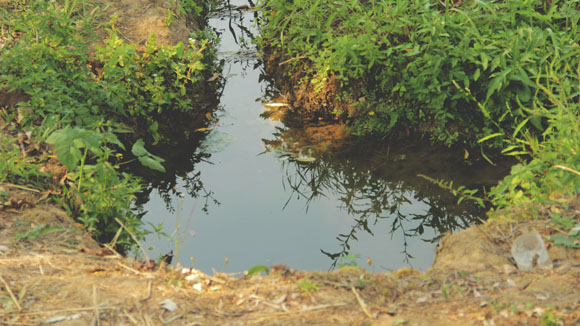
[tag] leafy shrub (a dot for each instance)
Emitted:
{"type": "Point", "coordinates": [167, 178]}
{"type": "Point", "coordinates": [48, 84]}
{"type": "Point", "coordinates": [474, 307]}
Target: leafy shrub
{"type": "Point", "coordinates": [554, 167]}
{"type": "Point", "coordinates": [459, 70]}
{"type": "Point", "coordinates": [79, 103]}
{"type": "Point", "coordinates": [17, 169]}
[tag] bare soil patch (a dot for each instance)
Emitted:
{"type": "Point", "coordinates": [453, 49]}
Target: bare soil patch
{"type": "Point", "coordinates": [65, 276]}
{"type": "Point", "coordinates": [137, 20]}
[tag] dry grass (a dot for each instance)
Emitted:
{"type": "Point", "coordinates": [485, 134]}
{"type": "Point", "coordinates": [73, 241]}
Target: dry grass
{"type": "Point", "coordinates": [47, 280]}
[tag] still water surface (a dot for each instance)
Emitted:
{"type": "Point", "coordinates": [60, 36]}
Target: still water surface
{"type": "Point", "coordinates": [248, 207]}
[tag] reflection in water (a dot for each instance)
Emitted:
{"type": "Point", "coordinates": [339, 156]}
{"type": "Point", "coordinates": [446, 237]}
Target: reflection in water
{"type": "Point", "coordinates": [180, 163]}
{"type": "Point", "coordinates": [377, 186]}
{"type": "Point", "coordinates": [260, 222]}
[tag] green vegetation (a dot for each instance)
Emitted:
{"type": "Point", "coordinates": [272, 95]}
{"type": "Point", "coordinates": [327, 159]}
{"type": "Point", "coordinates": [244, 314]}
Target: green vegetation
{"type": "Point", "coordinates": [460, 72]}
{"type": "Point", "coordinates": [307, 285]}
{"type": "Point", "coordinates": [84, 100]}
{"type": "Point", "coordinates": [16, 169]}
{"type": "Point", "coordinates": [503, 75]}
{"type": "Point", "coordinates": [258, 269]}
{"type": "Point", "coordinates": [349, 261]}
{"type": "Point", "coordinates": [40, 230]}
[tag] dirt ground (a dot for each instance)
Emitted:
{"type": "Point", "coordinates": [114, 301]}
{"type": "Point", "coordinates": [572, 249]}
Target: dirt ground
{"type": "Point", "coordinates": [51, 272]}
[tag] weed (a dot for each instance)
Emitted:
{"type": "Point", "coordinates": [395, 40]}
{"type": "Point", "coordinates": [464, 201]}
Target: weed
{"type": "Point", "coordinates": [40, 230]}
{"type": "Point", "coordinates": [500, 74]}
{"type": "Point", "coordinates": [258, 269]}
{"type": "Point", "coordinates": [461, 192]}
{"type": "Point", "coordinates": [16, 169]}
{"type": "Point", "coordinates": [447, 289]}
{"type": "Point", "coordinates": [306, 285]}
{"type": "Point", "coordinates": [349, 260]}
{"type": "Point", "coordinates": [169, 18]}
{"type": "Point", "coordinates": [548, 318]}
{"type": "Point", "coordinates": [550, 176]}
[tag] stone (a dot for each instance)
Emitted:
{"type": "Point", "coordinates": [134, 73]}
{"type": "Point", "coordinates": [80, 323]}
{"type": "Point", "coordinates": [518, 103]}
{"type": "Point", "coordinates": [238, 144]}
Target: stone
{"type": "Point", "coordinates": [529, 251]}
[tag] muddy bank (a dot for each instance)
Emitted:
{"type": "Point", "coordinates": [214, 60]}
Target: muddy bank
{"type": "Point", "coordinates": [311, 103]}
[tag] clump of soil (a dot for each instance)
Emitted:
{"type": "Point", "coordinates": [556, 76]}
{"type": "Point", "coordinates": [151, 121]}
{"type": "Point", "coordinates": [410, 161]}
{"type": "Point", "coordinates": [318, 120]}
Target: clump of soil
{"type": "Point", "coordinates": [310, 100]}
{"type": "Point", "coordinates": [137, 20]}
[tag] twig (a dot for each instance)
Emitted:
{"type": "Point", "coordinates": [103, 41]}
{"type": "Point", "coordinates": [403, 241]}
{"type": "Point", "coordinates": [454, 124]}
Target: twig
{"type": "Point", "coordinates": [361, 303]}
{"type": "Point", "coordinates": [149, 292]}
{"type": "Point", "coordinates": [10, 185]}
{"type": "Point", "coordinates": [96, 308]}
{"type": "Point", "coordinates": [322, 306]}
{"type": "Point", "coordinates": [195, 323]}
{"type": "Point", "coordinates": [292, 59]}
{"type": "Point", "coordinates": [129, 268]}
{"type": "Point", "coordinates": [566, 169]}
{"type": "Point", "coordinates": [133, 320]}
{"type": "Point", "coordinates": [11, 293]}
{"type": "Point", "coordinates": [136, 241]}
{"type": "Point", "coordinates": [59, 310]}
{"type": "Point", "coordinates": [116, 237]}
{"type": "Point", "coordinates": [112, 250]}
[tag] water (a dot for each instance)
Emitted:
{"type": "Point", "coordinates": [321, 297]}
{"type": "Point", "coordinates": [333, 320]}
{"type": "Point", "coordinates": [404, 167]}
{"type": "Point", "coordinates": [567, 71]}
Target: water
{"type": "Point", "coordinates": [232, 206]}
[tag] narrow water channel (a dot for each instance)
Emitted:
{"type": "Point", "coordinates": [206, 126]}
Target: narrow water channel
{"type": "Point", "coordinates": [240, 205]}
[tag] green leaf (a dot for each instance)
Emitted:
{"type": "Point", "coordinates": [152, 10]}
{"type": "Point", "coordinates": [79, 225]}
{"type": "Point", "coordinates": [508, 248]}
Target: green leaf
{"type": "Point", "coordinates": [509, 148]}
{"type": "Point", "coordinates": [484, 60]}
{"type": "Point", "coordinates": [537, 122]}
{"type": "Point", "coordinates": [496, 82]}
{"type": "Point", "coordinates": [520, 126]}
{"type": "Point", "coordinates": [258, 269]}
{"type": "Point", "coordinates": [476, 74]}
{"type": "Point", "coordinates": [564, 240]}
{"type": "Point", "coordinates": [151, 163]}
{"type": "Point", "coordinates": [489, 137]}
{"type": "Point", "coordinates": [111, 138]}
{"type": "Point", "coordinates": [138, 148]}
{"type": "Point", "coordinates": [524, 93]}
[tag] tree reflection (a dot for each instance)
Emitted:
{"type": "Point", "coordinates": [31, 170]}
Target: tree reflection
{"type": "Point", "coordinates": [375, 187]}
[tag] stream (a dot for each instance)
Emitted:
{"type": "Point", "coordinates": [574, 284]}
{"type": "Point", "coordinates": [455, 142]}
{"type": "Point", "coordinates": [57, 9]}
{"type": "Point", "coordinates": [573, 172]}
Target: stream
{"type": "Point", "coordinates": [240, 202]}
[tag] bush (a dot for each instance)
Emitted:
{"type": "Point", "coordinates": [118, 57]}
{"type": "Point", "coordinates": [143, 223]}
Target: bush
{"type": "Point", "coordinates": [458, 71]}
{"type": "Point", "coordinates": [79, 103]}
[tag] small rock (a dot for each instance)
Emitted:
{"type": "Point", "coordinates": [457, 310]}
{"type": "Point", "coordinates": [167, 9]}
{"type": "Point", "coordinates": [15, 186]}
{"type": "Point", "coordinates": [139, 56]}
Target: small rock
{"type": "Point", "coordinates": [511, 283]}
{"type": "Point", "coordinates": [168, 305]}
{"type": "Point", "coordinates": [530, 251]}
{"type": "Point", "coordinates": [193, 277]}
